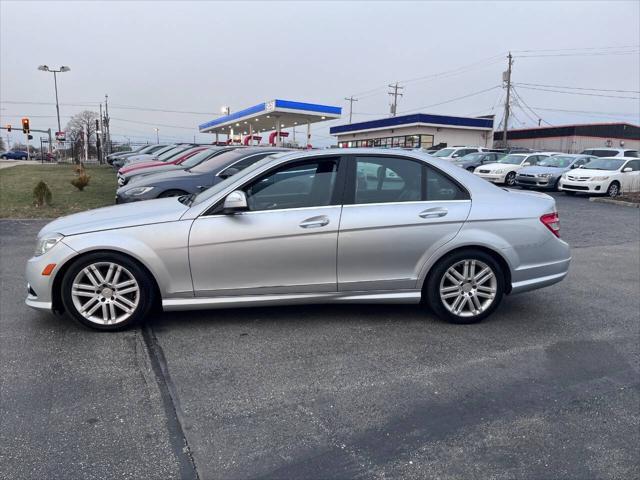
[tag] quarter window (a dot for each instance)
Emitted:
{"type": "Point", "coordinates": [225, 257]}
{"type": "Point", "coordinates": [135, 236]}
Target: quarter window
{"type": "Point", "coordinates": [303, 184]}
{"type": "Point", "coordinates": [440, 187]}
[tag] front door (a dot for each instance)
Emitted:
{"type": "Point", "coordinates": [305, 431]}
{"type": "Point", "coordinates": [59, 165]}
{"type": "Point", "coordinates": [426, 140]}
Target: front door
{"type": "Point", "coordinates": [284, 243]}
{"type": "Point", "coordinates": [397, 213]}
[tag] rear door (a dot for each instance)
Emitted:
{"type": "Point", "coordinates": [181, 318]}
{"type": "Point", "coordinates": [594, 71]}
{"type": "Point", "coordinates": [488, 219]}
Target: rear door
{"type": "Point", "coordinates": [630, 181]}
{"type": "Point", "coordinates": [397, 212]}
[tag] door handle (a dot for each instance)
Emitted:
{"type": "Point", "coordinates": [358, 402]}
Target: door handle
{"type": "Point", "coordinates": [433, 212]}
{"type": "Point", "coordinates": [315, 222]}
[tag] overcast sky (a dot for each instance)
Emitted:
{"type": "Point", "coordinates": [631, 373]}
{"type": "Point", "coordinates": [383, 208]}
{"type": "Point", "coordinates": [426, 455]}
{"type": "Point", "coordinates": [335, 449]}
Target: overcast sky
{"type": "Point", "coordinates": [198, 56]}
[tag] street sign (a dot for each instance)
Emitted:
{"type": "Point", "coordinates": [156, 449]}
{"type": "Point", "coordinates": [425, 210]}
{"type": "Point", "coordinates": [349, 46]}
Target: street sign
{"type": "Point", "coordinates": [60, 136]}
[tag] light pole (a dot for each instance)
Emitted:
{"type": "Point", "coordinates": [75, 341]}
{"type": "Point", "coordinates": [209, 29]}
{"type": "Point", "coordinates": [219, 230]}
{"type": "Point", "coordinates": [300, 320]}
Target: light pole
{"type": "Point", "coordinates": [62, 69]}
{"type": "Point", "coordinates": [157, 137]}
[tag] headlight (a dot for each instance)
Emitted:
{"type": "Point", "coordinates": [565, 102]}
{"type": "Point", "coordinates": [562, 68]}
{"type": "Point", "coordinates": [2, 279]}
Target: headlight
{"type": "Point", "coordinates": [137, 191]}
{"type": "Point", "coordinates": [543, 175]}
{"type": "Point", "coordinates": [597, 179]}
{"type": "Point", "coordinates": [47, 243]}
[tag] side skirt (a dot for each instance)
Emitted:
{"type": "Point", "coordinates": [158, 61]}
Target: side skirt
{"type": "Point", "coordinates": [403, 296]}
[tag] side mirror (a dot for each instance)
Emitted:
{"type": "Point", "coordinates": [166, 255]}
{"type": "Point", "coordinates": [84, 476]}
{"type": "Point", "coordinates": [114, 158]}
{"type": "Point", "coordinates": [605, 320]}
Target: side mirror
{"type": "Point", "coordinates": [627, 170]}
{"type": "Point", "coordinates": [573, 166]}
{"type": "Point", "coordinates": [229, 172]}
{"type": "Point", "coordinates": [236, 201]}
{"type": "Point", "coordinates": [526, 164]}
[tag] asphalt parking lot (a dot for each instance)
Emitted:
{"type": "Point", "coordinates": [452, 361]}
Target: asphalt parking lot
{"type": "Point", "coordinates": [548, 387]}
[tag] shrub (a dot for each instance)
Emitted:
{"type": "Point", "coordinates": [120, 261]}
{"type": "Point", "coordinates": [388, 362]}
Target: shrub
{"type": "Point", "coordinates": [81, 181]}
{"type": "Point", "coordinates": [41, 194]}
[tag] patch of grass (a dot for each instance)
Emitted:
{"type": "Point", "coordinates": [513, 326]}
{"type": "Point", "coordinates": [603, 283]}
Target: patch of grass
{"type": "Point", "coordinates": [17, 183]}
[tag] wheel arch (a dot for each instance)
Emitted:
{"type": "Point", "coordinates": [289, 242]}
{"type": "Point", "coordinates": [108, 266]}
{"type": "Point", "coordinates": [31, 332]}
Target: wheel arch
{"type": "Point", "coordinates": [56, 290]}
{"type": "Point", "coordinates": [495, 254]}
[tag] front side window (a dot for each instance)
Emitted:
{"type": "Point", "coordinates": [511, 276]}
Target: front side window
{"type": "Point", "coordinates": [634, 165]}
{"type": "Point", "coordinates": [299, 185]}
{"type": "Point", "coordinates": [604, 164]}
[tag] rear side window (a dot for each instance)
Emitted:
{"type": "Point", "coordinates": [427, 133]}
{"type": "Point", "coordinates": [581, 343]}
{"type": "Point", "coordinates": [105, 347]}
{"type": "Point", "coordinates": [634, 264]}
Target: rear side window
{"type": "Point", "coordinates": [601, 153]}
{"type": "Point", "coordinates": [440, 187]}
{"type": "Point", "coordinates": [631, 153]}
{"type": "Point", "coordinates": [393, 179]}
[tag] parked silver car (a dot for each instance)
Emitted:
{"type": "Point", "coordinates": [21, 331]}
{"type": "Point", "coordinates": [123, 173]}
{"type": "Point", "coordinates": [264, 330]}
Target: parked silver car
{"type": "Point", "coordinates": [363, 225]}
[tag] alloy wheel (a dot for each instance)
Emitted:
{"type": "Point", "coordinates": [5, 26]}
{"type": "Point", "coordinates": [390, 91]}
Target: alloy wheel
{"type": "Point", "coordinates": [105, 293]}
{"type": "Point", "coordinates": [613, 190]}
{"type": "Point", "coordinates": [510, 179]}
{"type": "Point", "coordinates": [468, 288]}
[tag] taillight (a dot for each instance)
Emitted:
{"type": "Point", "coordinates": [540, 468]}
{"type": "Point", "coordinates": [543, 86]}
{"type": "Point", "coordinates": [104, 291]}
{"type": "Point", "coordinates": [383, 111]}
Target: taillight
{"type": "Point", "coordinates": [552, 222]}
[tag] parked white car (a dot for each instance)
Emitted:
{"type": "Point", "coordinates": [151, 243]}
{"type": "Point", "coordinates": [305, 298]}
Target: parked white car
{"type": "Point", "coordinates": [504, 170]}
{"type": "Point", "coordinates": [605, 175]}
{"type": "Point", "coordinates": [610, 152]}
{"type": "Point", "coordinates": [453, 153]}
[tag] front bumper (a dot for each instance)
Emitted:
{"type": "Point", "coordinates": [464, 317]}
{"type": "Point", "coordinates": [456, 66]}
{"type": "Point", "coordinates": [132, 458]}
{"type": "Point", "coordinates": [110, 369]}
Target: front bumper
{"type": "Point", "coordinates": [584, 186]}
{"type": "Point", "coordinates": [537, 182]}
{"type": "Point", "coordinates": [39, 287]}
{"type": "Point", "coordinates": [492, 177]}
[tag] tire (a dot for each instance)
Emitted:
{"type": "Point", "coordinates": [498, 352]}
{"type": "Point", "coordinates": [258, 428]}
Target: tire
{"type": "Point", "coordinates": [172, 193]}
{"type": "Point", "coordinates": [470, 169]}
{"type": "Point", "coordinates": [556, 187]}
{"type": "Point", "coordinates": [121, 307]}
{"type": "Point", "coordinates": [614, 190]}
{"type": "Point", "coordinates": [568, 192]}
{"type": "Point", "coordinates": [510, 179]}
{"type": "Point", "coordinates": [23, 158]}
{"type": "Point", "coordinates": [3, 157]}
{"type": "Point", "coordinates": [440, 278]}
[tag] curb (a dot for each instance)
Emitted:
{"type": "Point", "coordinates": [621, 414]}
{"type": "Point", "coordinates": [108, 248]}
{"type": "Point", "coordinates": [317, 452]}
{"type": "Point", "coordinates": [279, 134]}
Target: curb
{"type": "Point", "coordinates": [622, 203]}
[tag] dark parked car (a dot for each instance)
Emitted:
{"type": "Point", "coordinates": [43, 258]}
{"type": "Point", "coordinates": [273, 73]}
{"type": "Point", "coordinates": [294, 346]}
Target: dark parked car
{"type": "Point", "coordinates": [14, 155]}
{"type": "Point", "coordinates": [118, 162]}
{"type": "Point", "coordinates": [195, 179]}
{"type": "Point", "coordinates": [473, 160]}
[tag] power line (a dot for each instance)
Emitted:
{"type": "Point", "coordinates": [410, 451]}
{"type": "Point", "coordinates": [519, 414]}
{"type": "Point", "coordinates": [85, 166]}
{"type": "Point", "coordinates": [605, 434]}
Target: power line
{"type": "Point", "coordinates": [580, 88]}
{"type": "Point", "coordinates": [452, 99]}
{"type": "Point", "coordinates": [611, 47]}
{"type": "Point", "coordinates": [116, 106]}
{"type": "Point", "coordinates": [576, 93]}
{"type": "Point", "coordinates": [598, 54]}
{"type": "Point", "coordinates": [589, 111]}
{"type": "Point", "coordinates": [532, 111]}
{"type": "Point", "coordinates": [153, 124]}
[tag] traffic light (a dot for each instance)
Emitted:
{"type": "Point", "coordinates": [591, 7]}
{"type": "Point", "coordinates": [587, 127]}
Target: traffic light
{"type": "Point", "coordinates": [8, 128]}
{"type": "Point", "coordinates": [25, 125]}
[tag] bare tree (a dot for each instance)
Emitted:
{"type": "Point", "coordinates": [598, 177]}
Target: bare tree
{"type": "Point", "coordinates": [2, 146]}
{"type": "Point", "coordinates": [75, 126]}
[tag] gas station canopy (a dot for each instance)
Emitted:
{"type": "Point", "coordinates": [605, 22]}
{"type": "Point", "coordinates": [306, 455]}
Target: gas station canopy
{"type": "Point", "coordinates": [268, 116]}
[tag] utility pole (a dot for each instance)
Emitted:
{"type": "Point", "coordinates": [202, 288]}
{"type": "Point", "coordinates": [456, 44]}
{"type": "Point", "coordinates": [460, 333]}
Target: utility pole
{"type": "Point", "coordinates": [351, 100]}
{"type": "Point", "coordinates": [395, 94]}
{"type": "Point", "coordinates": [102, 133]}
{"type": "Point", "coordinates": [106, 123]}
{"type": "Point", "coordinates": [98, 149]}
{"type": "Point", "coordinates": [506, 79]}
{"type": "Point", "coordinates": [157, 137]}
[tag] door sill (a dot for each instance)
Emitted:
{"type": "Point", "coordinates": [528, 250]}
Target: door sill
{"type": "Point", "coordinates": [397, 296]}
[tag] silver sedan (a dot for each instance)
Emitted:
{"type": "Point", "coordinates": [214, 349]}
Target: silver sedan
{"type": "Point", "coordinates": [340, 226]}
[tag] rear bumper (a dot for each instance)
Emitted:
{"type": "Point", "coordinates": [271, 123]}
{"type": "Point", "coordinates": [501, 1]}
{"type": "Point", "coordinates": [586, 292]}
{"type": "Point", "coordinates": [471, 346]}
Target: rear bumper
{"type": "Point", "coordinates": [532, 277]}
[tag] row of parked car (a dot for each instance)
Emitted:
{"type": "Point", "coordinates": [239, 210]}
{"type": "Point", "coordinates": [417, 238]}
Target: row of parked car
{"type": "Point", "coordinates": [175, 170]}
{"type": "Point", "coordinates": [607, 171]}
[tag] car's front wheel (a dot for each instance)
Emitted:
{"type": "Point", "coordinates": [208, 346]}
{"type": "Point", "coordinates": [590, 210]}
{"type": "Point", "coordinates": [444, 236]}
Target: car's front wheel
{"type": "Point", "coordinates": [107, 291]}
{"type": "Point", "coordinates": [613, 190]}
{"type": "Point", "coordinates": [465, 287]}
{"type": "Point", "coordinates": [510, 179]}
{"type": "Point", "coordinates": [471, 169]}
{"type": "Point", "coordinates": [23, 158]}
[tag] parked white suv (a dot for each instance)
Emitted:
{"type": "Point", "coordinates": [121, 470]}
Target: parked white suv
{"type": "Point", "coordinates": [606, 175]}
{"type": "Point", "coordinates": [452, 153]}
{"type": "Point", "coordinates": [504, 170]}
{"type": "Point", "coordinates": [610, 152]}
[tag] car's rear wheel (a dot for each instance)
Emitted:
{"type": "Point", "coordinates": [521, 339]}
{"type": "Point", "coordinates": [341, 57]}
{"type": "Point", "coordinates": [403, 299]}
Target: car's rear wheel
{"type": "Point", "coordinates": [107, 291]}
{"type": "Point", "coordinates": [613, 190]}
{"type": "Point", "coordinates": [510, 179]}
{"type": "Point", "coordinates": [172, 193]}
{"type": "Point", "coordinates": [465, 287]}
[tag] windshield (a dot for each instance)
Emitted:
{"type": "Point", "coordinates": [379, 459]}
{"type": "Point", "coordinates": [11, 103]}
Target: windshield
{"type": "Point", "coordinates": [445, 152]}
{"type": "Point", "coordinates": [512, 159]}
{"type": "Point", "coordinates": [471, 157]}
{"type": "Point", "coordinates": [557, 161]}
{"type": "Point", "coordinates": [604, 164]}
{"type": "Point", "coordinates": [206, 194]}
{"type": "Point", "coordinates": [197, 158]}
{"type": "Point", "coordinates": [172, 152]}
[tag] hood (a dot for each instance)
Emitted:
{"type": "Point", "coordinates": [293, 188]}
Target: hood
{"type": "Point", "coordinates": [118, 216]}
{"type": "Point", "coordinates": [497, 166]}
{"type": "Point", "coordinates": [144, 172]}
{"type": "Point", "coordinates": [130, 167]}
{"type": "Point", "coordinates": [157, 178]}
{"type": "Point", "coordinates": [587, 172]}
{"type": "Point", "coordinates": [140, 158]}
{"type": "Point", "coordinates": [537, 170]}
